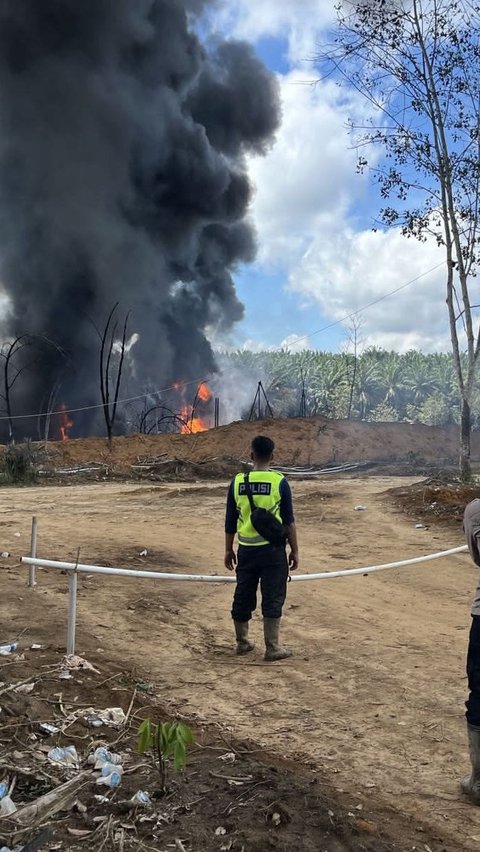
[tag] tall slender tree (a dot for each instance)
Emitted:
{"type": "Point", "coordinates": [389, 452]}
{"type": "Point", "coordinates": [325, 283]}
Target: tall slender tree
{"type": "Point", "coordinates": [417, 64]}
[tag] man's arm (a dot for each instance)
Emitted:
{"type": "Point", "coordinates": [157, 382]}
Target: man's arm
{"type": "Point", "coordinates": [293, 542]}
{"type": "Point", "coordinates": [286, 511]}
{"type": "Point", "coordinates": [231, 516]}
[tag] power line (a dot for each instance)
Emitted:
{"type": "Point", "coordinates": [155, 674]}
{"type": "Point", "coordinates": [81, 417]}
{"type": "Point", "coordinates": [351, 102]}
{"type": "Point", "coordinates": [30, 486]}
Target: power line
{"type": "Point", "coordinates": [101, 404]}
{"type": "Point", "coordinates": [369, 304]}
{"type": "Point", "coordinates": [200, 381]}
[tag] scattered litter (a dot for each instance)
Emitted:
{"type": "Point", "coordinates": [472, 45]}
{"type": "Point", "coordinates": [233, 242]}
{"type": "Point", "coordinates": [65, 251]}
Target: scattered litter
{"type": "Point", "coordinates": [74, 663]}
{"type": "Point", "coordinates": [3, 790]}
{"type": "Point", "coordinates": [420, 526]}
{"type": "Point", "coordinates": [7, 807]}
{"type": "Point", "coordinates": [360, 508]}
{"type": "Point", "coordinates": [103, 800]}
{"type": "Point", "coordinates": [5, 554]}
{"type": "Point", "coordinates": [113, 717]}
{"type": "Point", "coordinates": [94, 721]}
{"type": "Point", "coordinates": [102, 755]}
{"type": "Point", "coordinates": [37, 647]}
{"type": "Point", "coordinates": [25, 688]}
{"type": "Point", "coordinates": [79, 832]}
{"type": "Point", "coordinates": [229, 757]}
{"type": "Point", "coordinates": [111, 775]}
{"type": "Point", "coordinates": [144, 552]}
{"type": "Point", "coordinates": [17, 535]}
{"type": "Point", "coordinates": [65, 676]}
{"type": "Point", "coordinates": [141, 798]}
{"type": "Point", "coordinates": [276, 819]}
{"type": "Point", "coordinates": [64, 756]}
{"type": "Point", "coordinates": [8, 649]}
{"type": "Point", "coordinates": [220, 831]}
{"type": "Point", "coordinates": [49, 729]}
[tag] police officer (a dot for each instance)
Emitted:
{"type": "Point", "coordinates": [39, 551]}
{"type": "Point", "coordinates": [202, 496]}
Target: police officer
{"type": "Point", "coordinates": [258, 560]}
{"type": "Point", "coordinates": [471, 785]}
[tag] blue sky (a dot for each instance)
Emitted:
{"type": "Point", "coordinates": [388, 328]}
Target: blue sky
{"type": "Point", "coordinates": [318, 259]}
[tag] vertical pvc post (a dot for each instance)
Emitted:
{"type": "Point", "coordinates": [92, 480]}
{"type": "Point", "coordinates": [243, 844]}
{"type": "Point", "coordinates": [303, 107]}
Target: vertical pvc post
{"type": "Point", "coordinates": [32, 581]}
{"type": "Point", "coordinates": [72, 611]}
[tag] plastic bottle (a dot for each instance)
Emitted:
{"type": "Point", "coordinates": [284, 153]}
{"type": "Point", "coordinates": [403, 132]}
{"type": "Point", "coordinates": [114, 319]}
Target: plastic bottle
{"type": "Point", "coordinates": [113, 778]}
{"type": "Point", "coordinates": [8, 649]}
{"type": "Point", "coordinates": [64, 756]}
{"type": "Point", "coordinates": [7, 807]}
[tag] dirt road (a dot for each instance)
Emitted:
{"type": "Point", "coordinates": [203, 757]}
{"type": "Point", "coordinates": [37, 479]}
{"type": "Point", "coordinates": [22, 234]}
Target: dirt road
{"type": "Point", "coordinates": [374, 694]}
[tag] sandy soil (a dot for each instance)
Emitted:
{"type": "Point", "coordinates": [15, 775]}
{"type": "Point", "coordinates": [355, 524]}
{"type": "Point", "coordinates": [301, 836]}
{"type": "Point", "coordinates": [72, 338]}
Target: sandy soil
{"type": "Point", "coordinates": [313, 440]}
{"type": "Point", "coordinates": [374, 693]}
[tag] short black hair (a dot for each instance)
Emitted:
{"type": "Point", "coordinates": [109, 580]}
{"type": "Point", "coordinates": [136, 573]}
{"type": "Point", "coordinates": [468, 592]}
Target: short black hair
{"type": "Point", "coordinates": [262, 447]}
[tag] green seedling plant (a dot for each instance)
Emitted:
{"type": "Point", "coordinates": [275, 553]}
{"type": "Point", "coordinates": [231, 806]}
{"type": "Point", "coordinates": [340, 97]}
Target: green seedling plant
{"type": "Point", "coordinates": [167, 741]}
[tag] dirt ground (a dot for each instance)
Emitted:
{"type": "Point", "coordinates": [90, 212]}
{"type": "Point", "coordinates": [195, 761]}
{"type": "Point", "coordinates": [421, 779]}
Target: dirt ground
{"type": "Point", "coordinates": [371, 701]}
{"type": "Point", "coordinates": [307, 441]}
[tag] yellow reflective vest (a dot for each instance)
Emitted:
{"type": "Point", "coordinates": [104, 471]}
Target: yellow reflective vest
{"type": "Point", "coordinates": [265, 486]}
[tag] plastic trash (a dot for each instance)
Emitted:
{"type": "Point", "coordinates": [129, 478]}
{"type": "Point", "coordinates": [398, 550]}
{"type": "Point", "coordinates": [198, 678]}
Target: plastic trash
{"type": "Point", "coordinates": [113, 778]}
{"type": "Point", "coordinates": [94, 721]}
{"type": "Point", "coordinates": [108, 768]}
{"type": "Point", "coordinates": [112, 717]}
{"type": "Point", "coordinates": [360, 508]}
{"type": "Point", "coordinates": [49, 729]}
{"type": "Point", "coordinates": [7, 807]}
{"type": "Point", "coordinates": [229, 757]}
{"type": "Point", "coordinates": [8, 649]}
{"type": "Point", "coordinates": [65, 676]}
{"type": "Point", "coordinates": [102, 755]}
{"type": "Point", "coordinates": [3, 790]}
{"type": "Point", "coordinates": [64, 756]}
{"type": "Point", "coordinates": [419, 526]}
{"type": "Point", "coordinates": [144, 552]}
{"type": "Point", "coordinates": [36, 647]}
{"type": "Point", "coordinates": [141, 798]}
{"type": "Point", "coordinates": [5, 554]}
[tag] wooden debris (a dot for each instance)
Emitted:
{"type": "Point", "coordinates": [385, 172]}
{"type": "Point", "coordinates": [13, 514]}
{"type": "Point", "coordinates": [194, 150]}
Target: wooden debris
{"type": "Point", "coordinates": [56, 800]}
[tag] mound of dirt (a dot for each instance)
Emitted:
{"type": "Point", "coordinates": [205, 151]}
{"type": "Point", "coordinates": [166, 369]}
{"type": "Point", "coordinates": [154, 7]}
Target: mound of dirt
{"type": "Point", "coordinates": [217, 452]}
{"type": "Point", "coordinates": [432, 501]}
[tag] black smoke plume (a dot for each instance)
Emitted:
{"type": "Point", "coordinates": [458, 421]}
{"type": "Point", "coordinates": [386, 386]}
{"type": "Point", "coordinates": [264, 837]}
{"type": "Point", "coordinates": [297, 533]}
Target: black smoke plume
{"type": "Point", "coordinates": [122, 178]}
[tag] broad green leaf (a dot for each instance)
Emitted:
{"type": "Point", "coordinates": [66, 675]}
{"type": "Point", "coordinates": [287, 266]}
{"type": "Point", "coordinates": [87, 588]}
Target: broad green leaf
{"type": "Point", "coordinates": [144, 736]}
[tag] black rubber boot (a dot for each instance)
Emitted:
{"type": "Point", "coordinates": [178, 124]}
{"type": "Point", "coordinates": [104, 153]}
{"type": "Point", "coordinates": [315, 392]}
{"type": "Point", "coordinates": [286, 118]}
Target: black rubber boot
{"type": "Point", "coordinates": [244, 646]}
{"type": "Point", "coordinates": [471, 785]}
{"type": "Point", "coordinates": [273, 650]}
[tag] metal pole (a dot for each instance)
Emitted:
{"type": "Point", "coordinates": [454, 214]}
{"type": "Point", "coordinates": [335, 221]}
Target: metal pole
{"type": "Point", "coordinates": [72, 611]}
{"type": "Point", "coordinates": [32, 582]}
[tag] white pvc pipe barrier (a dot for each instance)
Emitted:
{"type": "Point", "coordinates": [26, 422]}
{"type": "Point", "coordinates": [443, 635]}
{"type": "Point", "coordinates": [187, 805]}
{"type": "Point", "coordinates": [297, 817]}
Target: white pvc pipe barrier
{"type": "Point", "coordinates": [75, 568]}
{"type": "Point", "coordinates": [225, 578]}
{"type": "Point", "coordinates": [32, 582]}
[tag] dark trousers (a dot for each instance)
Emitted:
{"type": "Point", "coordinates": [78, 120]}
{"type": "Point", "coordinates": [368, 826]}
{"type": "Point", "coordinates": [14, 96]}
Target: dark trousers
{"type": "Point", "coordinates": [268, 566]}
{"type": "Point", "coordinates": [473, 673]}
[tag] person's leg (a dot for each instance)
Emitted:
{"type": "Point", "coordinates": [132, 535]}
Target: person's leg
{"type": "Point", "coordinates": [245, 598]}
{"type": "Point", "coordinates": [273, 581]}
{"type": "Point", "coordinates": [471, 785]}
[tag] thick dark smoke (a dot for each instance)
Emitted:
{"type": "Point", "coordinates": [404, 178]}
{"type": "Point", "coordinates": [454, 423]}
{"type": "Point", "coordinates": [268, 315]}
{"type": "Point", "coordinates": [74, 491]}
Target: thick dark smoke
{"type": "Point", "coordinates": [122, 178]}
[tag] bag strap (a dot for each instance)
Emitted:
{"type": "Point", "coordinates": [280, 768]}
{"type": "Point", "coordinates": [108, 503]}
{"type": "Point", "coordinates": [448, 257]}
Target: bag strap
{"type": "Point", "coordinates": [249, 491]}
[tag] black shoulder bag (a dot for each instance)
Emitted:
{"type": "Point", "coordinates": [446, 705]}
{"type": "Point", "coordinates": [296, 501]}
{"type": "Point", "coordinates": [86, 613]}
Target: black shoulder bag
{"type": "Point", "coordinates": [264, 521]}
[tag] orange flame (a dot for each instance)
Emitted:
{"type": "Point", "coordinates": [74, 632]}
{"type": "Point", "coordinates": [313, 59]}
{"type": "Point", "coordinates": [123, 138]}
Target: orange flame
{"type": "Point", "coordinates": [65, 423]}
{"type": "Point", "coordinates": [204, 393]}
{"type": "Point", "coordinates": [193, 422]}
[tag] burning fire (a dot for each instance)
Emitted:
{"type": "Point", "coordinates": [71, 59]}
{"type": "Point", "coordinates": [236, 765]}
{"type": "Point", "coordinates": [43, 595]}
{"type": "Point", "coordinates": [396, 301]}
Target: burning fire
{"type": "Point", "coordinates": [65, 423]}
{"type": "Point", "coordinates": [193, 421]}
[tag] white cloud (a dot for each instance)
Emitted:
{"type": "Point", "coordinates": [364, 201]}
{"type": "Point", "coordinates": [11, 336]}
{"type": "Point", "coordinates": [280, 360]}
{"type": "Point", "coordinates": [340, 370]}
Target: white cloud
{"type": "Point", "coordinates": [295, 343]}
{"type": "Point", "coordinates": [344, 271]}
{"type": "Point", "coordinates": [301, 22]}
{"type": "Point", "coordinates": [307, 194]}
{"type": "Point", "coordinates": [308, 179]}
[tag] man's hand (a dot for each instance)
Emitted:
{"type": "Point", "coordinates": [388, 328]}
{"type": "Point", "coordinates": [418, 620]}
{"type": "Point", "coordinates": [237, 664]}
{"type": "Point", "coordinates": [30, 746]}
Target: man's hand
{"type": "Point", "coordinates": [230, 560]}
{"type": "Point", "coordinates": [293, 560]}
